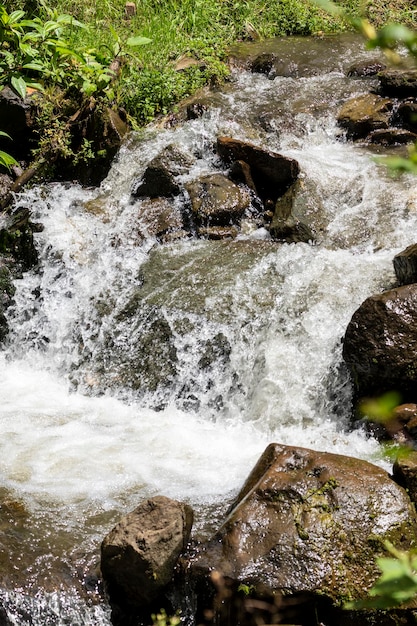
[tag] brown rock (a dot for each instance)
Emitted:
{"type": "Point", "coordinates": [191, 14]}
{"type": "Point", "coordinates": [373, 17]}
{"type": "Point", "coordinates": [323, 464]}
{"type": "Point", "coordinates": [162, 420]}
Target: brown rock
{"type": "Point", "coordinates": [407, 114]}
{"type": "Point", "coordinates": [285, 226]}
{"type": "Point", "coordinates": [405, 265]}
{"type": "Point", "coordinates": [405, 473]}
{"type": "Point", "coordinates": [380, 344]}
{"type": "Point", "coordinates": [158, 217]}
{"type": "Point", "coordinates": [364, 114]}
{"type": "Point", "coordinates": [310, 522]}
{"type": "Point", "coordinates": [272, 173]}
{"type": "Point", "coordinates": [398, 83]}
{"type": "Point", "coordinates": [217, 233]}
{"type": "Point", "coordinates": [139, 555]}
{"type": "Point", "coordinates": [366, 68]}
{"type": "Point", "coordinates": [391, 136]}
{"type": "Point", "coordinates": [217, 201]}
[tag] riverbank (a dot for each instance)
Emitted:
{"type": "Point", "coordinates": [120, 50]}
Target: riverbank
{"type": "Point", "coordinates": [188, 48]}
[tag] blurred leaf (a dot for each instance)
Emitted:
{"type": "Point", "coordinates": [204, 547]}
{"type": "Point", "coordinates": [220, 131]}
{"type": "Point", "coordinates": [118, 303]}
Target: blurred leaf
{"type": "Point", "coordinates": [380, 409]}
{"type": "Point", "coordinates": [138, 41]}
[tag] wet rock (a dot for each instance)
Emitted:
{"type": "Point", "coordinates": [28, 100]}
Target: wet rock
{"type": "Point", "coordinates": [405, 473]}
{"type": "Point", "coordinates": [309, 523]}
{"type": "Point", "coordinates": [217, 201]}
{"type": "Point", "coordinates": [216, 350]}
{"type": "Point", "coordinates": [407, 114]}
{"type": "Point", "coordinates": [158, 217]}
{"type": "Point", "coordinates": [272, 173]}
{"type": "Point", "coordinates": [139, 555]}
{"type": "Point", "coordinates": [160, 177]}
{"type": "Point", "coordinates": [364, 114]}
{"type": "Point", "coordinates": [405, 265]}
{"type": "Point", "coordinates": [366, 68]}
{"type": "Point", "coordinates": [240, 172]}
{"type": "Point", "coordinates": [380, 344]}
{"type": "Point", "coordinates": [402, 426]}
{"type": "Point", "coordinates": [6, 183]}
{"type": "Point", "coordinates": [7, 290]}
{"type": "Point", "coordinates": [104, 129]}
{"type": "Point", "coordinates": [264, 64]}
{"type": "Point", "coordinates": [291, 230]}
{"type": "Point", "coordinates": [16, 237]}
{"type": "Point", "coordinates": [137, 353]}
{"type": "Point", "coordinates": [195, 110]}
{"type": "Point", "coordinates": [285, 225]}
{"type": "Point", "coordinates": [217, 233]}
{"type": "Point", "coordinates": [398, 83]}
{"type": "Point", "coordinates": [392, 136]}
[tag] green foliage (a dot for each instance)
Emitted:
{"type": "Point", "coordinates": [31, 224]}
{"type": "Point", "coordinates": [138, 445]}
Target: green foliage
{"type": "Point", "coordinates": [6, 160]}
{"type": "Point", "coordinates": [37, 52]}
{"type": "Point", "coordinates": [397, 583]}
{"type": "Point", "coordinates": [162, 619]}
{"type": "Point", "coordinates": [380, 409]}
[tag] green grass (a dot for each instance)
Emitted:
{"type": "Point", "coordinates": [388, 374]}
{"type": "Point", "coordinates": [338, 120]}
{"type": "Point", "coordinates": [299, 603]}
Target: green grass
{"type": "Point", "coordinates": [203, 29]}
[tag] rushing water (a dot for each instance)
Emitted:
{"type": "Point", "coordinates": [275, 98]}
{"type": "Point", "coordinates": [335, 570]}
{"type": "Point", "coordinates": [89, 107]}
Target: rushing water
{"type": "Point", "coordinates": [80, 443]}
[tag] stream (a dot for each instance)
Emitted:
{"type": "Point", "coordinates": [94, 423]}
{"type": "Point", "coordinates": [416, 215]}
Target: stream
{"type": "Point", "coordinates": [134, 368]}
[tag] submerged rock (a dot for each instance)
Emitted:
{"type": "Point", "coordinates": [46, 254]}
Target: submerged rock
{"type": "Point", "coordinates": [380, 344]}
{"type": "Point", "coordinates": [158, 217]}
{"type": "Point", "coordinates": [139, 555]}
{"type": "Point", "coordinates": [366, 68]}
{"type": "Point", "coordinates": [309, 523]}
{"type": "Point", "coordinates": [285, 224]}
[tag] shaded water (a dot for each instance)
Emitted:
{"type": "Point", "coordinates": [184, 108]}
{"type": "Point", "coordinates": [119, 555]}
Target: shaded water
{"type": "Point", "coordinates": [136, 369]}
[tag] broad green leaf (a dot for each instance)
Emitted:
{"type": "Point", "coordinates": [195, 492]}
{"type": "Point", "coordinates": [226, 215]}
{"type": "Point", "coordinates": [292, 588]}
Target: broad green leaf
{"type": "Point", "coordinates": [7, 160]}
{"type": "Point", "coordinates": [36, 67]}
{"type": "Point", "coordinates": [16, 16]}
{"type": "Point", "coordinates": [19, 86]}
{"type": "Point", "coordinates": [138, 41]}
{"type": "Point", "coordinates": [3, 134]}
{"type": "Point", "coordinates": [330, 7]}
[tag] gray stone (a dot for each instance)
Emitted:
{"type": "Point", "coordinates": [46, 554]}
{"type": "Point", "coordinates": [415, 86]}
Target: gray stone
{"type": "Point", "coordinates": [139, 555]}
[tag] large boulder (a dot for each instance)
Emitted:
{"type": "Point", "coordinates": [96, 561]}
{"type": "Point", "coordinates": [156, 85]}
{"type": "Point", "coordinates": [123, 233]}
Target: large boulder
{"type": "Point", "coordinates": [139, 555]}
{"type": "Point", "coordinates": [363, 114]}
{"type": "Point", "coordinates": [217, 201]}
{"type": "Point", "coordinates": [380, 344]}
{"type": "Point", "coordinates": [309, 523]}
{"type": "Point", "coordinates": [272, 173]}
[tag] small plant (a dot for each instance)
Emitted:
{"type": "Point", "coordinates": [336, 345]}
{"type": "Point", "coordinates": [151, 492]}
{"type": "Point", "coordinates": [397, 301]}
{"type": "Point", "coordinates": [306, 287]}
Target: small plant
{"type": "Point", "coordinates": [397, 583]}
{"type": "Point", "coordinates": [6, 160]}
